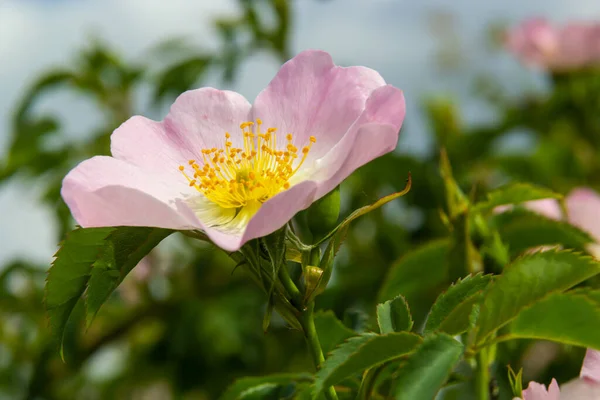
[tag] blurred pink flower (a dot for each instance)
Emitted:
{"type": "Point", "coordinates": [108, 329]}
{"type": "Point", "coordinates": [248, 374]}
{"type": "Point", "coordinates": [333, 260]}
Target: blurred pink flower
{"type": "Point", "coordinates": [586, 387]}
{"type": "Point", "coordinates": [537, 391]}
{"type": "Point", "coordinates": [583, 211]}
{"type": "Point", "coordinates": [539, 44]}
{"type": "Point", "coordinates": [216, 163]}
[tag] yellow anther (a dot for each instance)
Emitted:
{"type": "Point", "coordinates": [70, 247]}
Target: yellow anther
{"type": "Point", "coordinates": [232, 177]}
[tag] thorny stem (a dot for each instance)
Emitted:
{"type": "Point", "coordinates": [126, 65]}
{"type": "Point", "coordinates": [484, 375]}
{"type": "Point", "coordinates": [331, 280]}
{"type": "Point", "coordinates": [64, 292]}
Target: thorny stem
{"type": "Point", "coordinates": [310, 333]}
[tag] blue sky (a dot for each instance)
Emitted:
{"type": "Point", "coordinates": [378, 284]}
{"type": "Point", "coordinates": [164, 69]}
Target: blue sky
{"type": "Point", "coordinates": [392, 36]}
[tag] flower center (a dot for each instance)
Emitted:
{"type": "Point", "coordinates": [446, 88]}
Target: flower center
{"type": "Point", "coordinates": [233, 177]}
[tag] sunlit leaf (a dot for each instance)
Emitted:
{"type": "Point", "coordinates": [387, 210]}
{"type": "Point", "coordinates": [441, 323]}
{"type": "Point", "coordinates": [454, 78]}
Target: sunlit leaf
{"type": "Point", "coordinates": [528, 280]}
{"type": "Point", "coordinates": [572, 318]}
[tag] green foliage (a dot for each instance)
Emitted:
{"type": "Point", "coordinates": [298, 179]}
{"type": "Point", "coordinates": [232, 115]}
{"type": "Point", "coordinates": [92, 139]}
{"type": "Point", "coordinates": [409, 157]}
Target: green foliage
{"type": "Point", "coordinates": [418, 276]}
{"type": "Point", "coordinates": [522, 230]}
{"type": "Point", "coordinates": [96, 259]}
{"type": "Point", "coordinates": [572, 318]}
{"type": "Point", "coordinates": [70, 273]}
{"type": "Point", "coordinates": [191, 327]}
{"type": "Point", "coordinates": [331, 331]}
{"type": "Point", "coordinates": [516, 381]}
{"type": "Point", "coordinates": [322, 215]}
{"type": "Point", "coordinates": [180, 77]}
{"type": "Point", "coordinates": [528, 280]}
{"type": "Point", "coordinates": [514, 194]}
{"type": "Point", "coordinates": [452, 310]}
{"type": "Point", "coordinates": [367, 209]}
{"type": "Point", "coordinates": [254, 388]}
{"type": "Point", "coordinates": [360, 353]}
{"type": "Point", "coordinates": [394, 316]}
{"type": "Point", "coordinates": [428, 368]}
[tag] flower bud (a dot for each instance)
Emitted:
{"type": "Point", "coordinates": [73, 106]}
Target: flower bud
{"type": "Point", "coordinates": [323, 215]}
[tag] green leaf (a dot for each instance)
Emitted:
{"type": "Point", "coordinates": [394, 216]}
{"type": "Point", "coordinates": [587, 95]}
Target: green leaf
{"type": "Point", "coordinates": [394, 316]}
{"type": "Point", "coordinates": [367, 209]}
{"type": "Point", "coordinates": [245, 388]}
{"type": "Point", "coordinates": [526, 281]}
{"type": "Point", "coordinates": [456, 200]}
{"type": "Point", "coordinates": [331, 331]}
{"type": "Point", "coordinates": [452, 309]}
{"type": "Point", "coordinates": [360, 353]}
{"type": "Point", "coordinates": [515, 380]}
{"type": "Point", "coordinates": [428, 368]}
{"type": "Point", "coordinates": [69, 275]}
{"type": "Point", "coordinates": [275, 247]}
{"type": "Point", "coordinates": [419, 276]}
{"type": "Point", "coordinates": [180, 77]}
{"type": "Point", "coordinates": [93, 258]}
{"type": "Point", "coordinates": [421, 268]}
{"type": "Point", "coordinates": [572, 318]}
{"type": "Point", "coordinates": [122, 250]}
{"type": "Point", "coordinates": [514, 194]}
{"type": "Point", "coordinates": [522, 230]}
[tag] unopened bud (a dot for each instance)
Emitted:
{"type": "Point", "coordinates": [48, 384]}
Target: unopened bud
{"type": "Point", "coordinates": [323, 214]}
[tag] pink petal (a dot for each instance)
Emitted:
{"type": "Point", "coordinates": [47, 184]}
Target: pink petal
{"type": "Point", "coordinates": [278, 210]}
{"type": "Point", "coordinates": [537, 391]}
{"type": "Point", "coordinates": [198, 119]}
{"type": "Point", "coordinates": [590, 371]}
{"type": "Point", "coordinates": [104, 191]}
{"type": "Point", "coordinates": [373, 134]}
{"type": "Point", "coordinates": [580, 389]}
{"type": "Point", "coordinates": [583, 207]}
{"type": "Point", "coordinates": [547, 207]}
{"type": "Point", "coordinates": [311, 96]}
{"type": "Point", "coordinates": [534, 42]}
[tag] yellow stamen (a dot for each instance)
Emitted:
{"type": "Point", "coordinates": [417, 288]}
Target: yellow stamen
{"type": "Point", "coordinates": [235, 177]}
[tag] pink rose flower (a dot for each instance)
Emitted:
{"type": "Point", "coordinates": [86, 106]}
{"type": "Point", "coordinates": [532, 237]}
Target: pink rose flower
{"type": "Point", "coordinates": [239, 171]}
{"type": "Point", "coordinates": [583, 211]}
{"type": "Point", "coordinates": [539, 44]}
{"type": "Point", "coordinates": [586, 387]}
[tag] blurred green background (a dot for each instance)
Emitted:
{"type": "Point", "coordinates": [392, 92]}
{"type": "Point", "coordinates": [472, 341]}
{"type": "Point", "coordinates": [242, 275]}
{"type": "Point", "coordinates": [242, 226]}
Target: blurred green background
{"type": "Point", "coordinates": [184, 325]}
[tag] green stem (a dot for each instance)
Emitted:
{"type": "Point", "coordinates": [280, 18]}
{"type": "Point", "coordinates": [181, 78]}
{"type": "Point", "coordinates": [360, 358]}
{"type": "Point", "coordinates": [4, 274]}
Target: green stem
{"type": "Point", "coordinates": [291, 288]}
{"type": "Point", "coordinates": [315, 257]}
{"type": "Point", "coordinates": [310, 333]}
{"type": "Point", "coordinates": [368, 383]}
{"type": "Point", "coordinates": [483, 375]}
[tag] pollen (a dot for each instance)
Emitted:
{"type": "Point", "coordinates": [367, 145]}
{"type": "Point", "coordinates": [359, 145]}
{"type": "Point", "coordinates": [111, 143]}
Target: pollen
{"type": "Point", "coordinates": [232, 177]}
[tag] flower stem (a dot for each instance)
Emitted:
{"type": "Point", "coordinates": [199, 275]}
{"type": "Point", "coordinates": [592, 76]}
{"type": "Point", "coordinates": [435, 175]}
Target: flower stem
{"type": "Point", "coordinates": [290, 287]}
{"type": "Point", "coordinates": [310, 333]}
{"type": "Point", "coordinates": [483, 375]}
